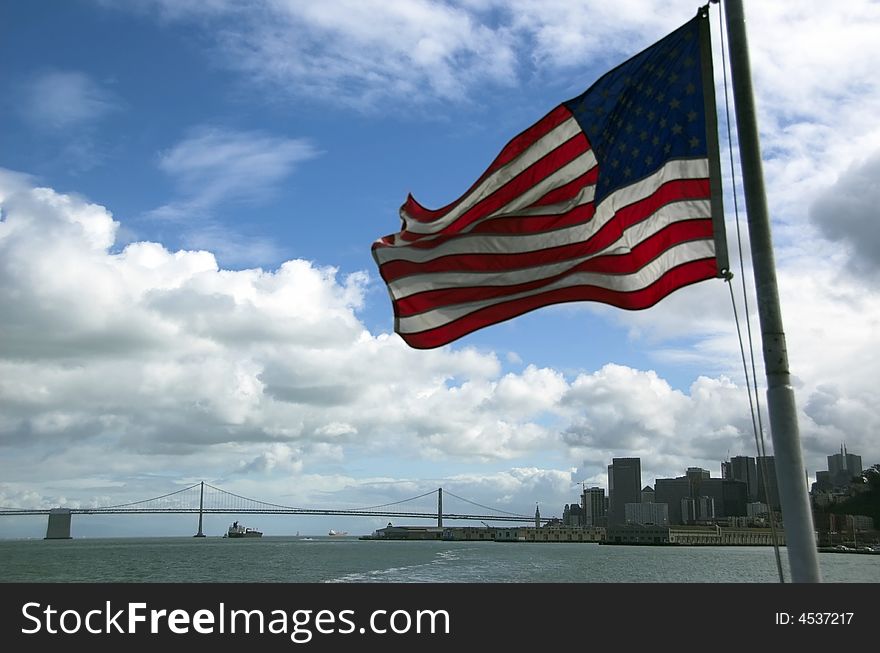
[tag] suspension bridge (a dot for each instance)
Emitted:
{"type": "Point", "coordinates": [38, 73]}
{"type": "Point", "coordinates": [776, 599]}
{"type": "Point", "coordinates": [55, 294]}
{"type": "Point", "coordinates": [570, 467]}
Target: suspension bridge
{"type": "Point", "coordinates": [205, 499]}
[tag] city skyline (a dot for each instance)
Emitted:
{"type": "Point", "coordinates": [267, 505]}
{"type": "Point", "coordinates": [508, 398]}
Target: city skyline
{"type": "Point", "coordinates": [697, 496]}
{"type": "Point", "coordinates": [697, 485]}
{"type": "Point", "coordinates": [189, 192]}
{"type": "Point", "coordinates": [752, 469]}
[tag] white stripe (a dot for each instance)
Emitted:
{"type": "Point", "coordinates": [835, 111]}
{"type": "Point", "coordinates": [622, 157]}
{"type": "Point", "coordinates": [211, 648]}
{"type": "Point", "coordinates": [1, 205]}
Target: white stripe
{"type": "Point", "coordinates": [416, 283]}
{"type": "Point", "coordinates": [673, 257]}
{"type": "Point", "coordinates": [521, 243]}
{"type": "Point", "coordinates": [630, 238]}
{"type": "Point", "coordinates": [673, 170]}
{"type": "Point", "coordinates": [559, 177]}
{"type": "Point", "coordinates": [585, 196]}
{"type": "Point", "coordinates": [540, 148]}
{"type": "Point", "coordinates": [399, 247]}
{"type": "Point", "coordinates": [569, 172]}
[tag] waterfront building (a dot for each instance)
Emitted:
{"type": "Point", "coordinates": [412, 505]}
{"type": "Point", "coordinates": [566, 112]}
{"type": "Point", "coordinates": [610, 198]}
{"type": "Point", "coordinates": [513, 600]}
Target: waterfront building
{"type": "Point", "coordinates": [647, 513]}
{"type": "Point", "coordinates": [624, 486]}
{"type": "Point", "coordinates": [859, 522]}
{"type": "Point", "coordinates": [543, 534]}
{"type": "Point", "coordinates": [552, 533]}
{"type": "Point", "coordinates": [757, 509]}
{"type": "Point", "coordinates": [391, 532]}
{"type": "Point", "coordinates": [697, 509]}
{"type": "Point", "coordinates": [637, 534]}
{"type": "Point", "coordinates": [692, 535]}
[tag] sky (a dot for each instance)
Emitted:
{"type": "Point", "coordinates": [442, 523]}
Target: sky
{"type": "Point", "coordinates": [188, 195]}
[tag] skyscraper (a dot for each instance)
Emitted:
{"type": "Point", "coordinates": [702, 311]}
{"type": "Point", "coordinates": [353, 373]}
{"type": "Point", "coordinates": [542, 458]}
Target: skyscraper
{"type": "Point", "coordinates": [768, 488]}
{"type": "Point", "coordinates": [593, 503]}
{"type": "Point", "coordinates": [671, 491]}
{"type": "Point", "coordinates": [696, 476]}
{"type": "Point", "coordinates": [743, 468]}
{"type": "Point", "coordinates": [624, 486]}
{"type": "Point", "coordinates": [843, 466]}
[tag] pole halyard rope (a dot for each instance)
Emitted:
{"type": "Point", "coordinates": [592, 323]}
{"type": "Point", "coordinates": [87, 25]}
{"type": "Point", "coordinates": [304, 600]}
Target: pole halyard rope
{"type": "Point", "coordinates": [754, 401]}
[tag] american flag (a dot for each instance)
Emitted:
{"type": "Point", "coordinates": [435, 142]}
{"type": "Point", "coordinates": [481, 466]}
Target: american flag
{"type": "Point", "coordinates": [610, 197]}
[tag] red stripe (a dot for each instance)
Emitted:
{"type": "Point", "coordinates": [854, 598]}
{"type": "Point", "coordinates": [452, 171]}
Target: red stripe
{"type": "Point", "coordinates": [393, 270]}
{"type": "Point", "coordinates": [678, 277]}
{"type": "Point", "coordinates": [623, 219]}
{"type": "Point", "coordinates": [681, 189]}
{"type": "Point", "coordinates": [516, 146]}
{"type": "Point", "coordinates": [571, 189]}
{"type": "Point", "coordinates": [612, 264]}
{"type": "Point", "coordinates": [504, 226]}
{"type": "Point", "coordinates": [535, 224]}
{"type": "Point", "coordinates": [673, 191]}
{"type": "Point", "coordinates": [521, 183]}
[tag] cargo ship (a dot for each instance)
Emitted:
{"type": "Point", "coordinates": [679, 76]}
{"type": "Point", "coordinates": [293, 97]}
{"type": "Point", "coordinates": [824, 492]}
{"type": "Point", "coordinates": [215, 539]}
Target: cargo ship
{"type": "Point", "coordinates": [237, 530]}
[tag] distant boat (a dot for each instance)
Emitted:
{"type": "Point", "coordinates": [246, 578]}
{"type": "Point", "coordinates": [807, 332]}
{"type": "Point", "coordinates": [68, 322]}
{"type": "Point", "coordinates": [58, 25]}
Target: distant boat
{"type": "Point", "coordinates": [333, 533]}
{"type": "Point", "coordinates": [237, 530]}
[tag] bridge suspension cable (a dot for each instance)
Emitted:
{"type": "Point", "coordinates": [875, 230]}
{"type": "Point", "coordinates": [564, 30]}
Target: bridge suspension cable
{"type": "Point", "coordinates": [474, 503]}
{"type": "Point", "coordinates": [216, 501]}
{"type": "Point", "coordinates": [394, 503]}
{"type": "Point", "coordinates": [225, 493]}
{"type": "Point", "coordinates": [134, 503]}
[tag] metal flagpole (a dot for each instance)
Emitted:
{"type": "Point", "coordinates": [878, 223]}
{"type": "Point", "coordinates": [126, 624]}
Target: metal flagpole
{"type": "Point", "coordinates": [797, 517]}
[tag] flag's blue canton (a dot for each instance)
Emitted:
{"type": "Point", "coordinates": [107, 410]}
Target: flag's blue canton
{"type": "Point", "coordinates": [646, 111]}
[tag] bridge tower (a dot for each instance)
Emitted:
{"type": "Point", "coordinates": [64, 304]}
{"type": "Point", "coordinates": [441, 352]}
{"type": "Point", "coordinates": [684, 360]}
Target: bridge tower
{"type": "Point", "coordinates": [59, 524]}
{"type": "Point", "coordinates": [439, 507]}
{"type": "Point", "coordinates": [201, 509]}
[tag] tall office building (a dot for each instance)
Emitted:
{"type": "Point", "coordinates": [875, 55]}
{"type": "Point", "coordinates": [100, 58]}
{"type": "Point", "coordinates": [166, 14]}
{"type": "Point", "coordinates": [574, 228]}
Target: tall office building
{"type": "Point", "coordinates": [768, 488]}
{"type": "Point", "coordinates": [843, 466]}
{"type": "Point", "coordinates": [593, 504]}
{"type": "Point", "coordinates": [823, 482]}
{"type": "Point", "coordinates": [624, 486]}
{"type": "Point", "coordinates": [697, 473]}
{"type": "Point", "coordinates": [573, 516]}
{"type": "Point", "coordinates": [671, 491]}
{"type": "Point", "coordinates": [696, 476]}
{"type": "Point", "coordinates": [728, 497]}
{"type": "Point", "coordinates": [742, 468]}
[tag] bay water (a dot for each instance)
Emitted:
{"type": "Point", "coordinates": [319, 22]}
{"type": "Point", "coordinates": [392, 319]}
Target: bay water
{"type": "Point", "coordinates": [350, 560]}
